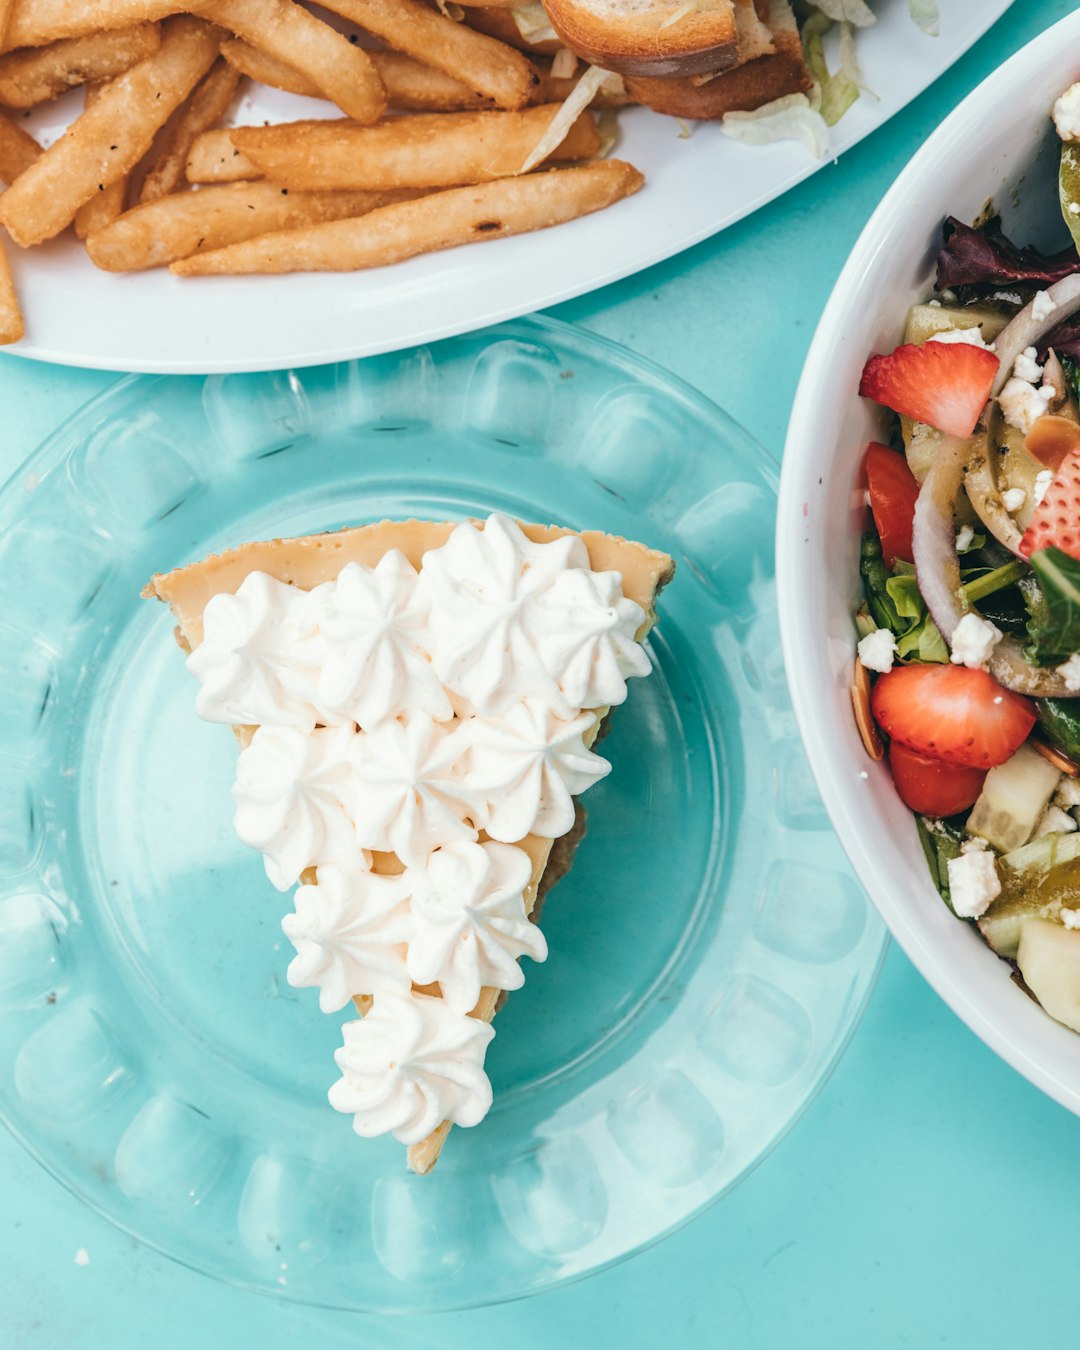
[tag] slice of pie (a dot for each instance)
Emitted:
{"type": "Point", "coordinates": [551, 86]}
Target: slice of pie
{"type": "Point", "coordinates": [416, 705]}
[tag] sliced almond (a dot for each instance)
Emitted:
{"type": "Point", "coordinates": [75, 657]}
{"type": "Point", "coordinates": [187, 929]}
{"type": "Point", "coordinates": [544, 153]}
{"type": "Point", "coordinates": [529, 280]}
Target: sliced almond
{"type": "Point", "coordinates": [1054, 756]}
{"type": "Point", "coordinates": [864, 718]}
{"type": "Point", "coordinates": [1051, 438]}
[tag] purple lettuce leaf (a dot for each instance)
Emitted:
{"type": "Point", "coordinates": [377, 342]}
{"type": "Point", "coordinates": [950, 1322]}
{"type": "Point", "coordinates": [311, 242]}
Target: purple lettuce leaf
{"type": "Point", "coordinates": [985, 257]}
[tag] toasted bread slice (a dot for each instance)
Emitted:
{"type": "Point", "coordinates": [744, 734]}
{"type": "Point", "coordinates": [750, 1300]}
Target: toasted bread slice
{"type": "Point", "coordinates": [650, 38]}
{"type": "Point", "coordinates": [748, 86]}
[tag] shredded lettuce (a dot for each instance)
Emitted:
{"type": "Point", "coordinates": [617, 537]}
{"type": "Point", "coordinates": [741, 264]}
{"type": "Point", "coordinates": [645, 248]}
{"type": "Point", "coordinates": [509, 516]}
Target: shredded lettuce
{"type": "Point", "coordinates": [607, 124]}
{"type": "Point", "coordinates": [833, 94]}
{"type": "Point", "coordinates": [791, 118]}
{"type": "Point", "coordinates": [533, 23]}
{"type": "Point", "coordinates": [926, 16]}
{"type": "Point", "coordinates": [573, 106]}
{"type": "Point", "coordinates": [563, 64]}
{"type": "Point", "coordinates": [856, 12]}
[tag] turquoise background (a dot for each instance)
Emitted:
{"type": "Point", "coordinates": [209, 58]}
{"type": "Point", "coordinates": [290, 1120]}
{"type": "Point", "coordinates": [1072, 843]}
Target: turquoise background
{"type": "Point", "coordinates": [925, 1198]}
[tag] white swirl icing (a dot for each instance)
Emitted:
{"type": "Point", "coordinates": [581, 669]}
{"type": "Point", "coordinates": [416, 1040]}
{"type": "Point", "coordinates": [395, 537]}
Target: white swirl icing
{"type": "Point", "coordinates": [376, 662]}
{"type": "Point", "coordinates": [525, 769]}
{"type": "Point", "coordinates": [471, 924]}
{"type": "Point", "coordinates": [408, 795]}
{"type": "Point", "coordinates": [256, 664]}
{"type": "Point", "coordinates": [483, 584]}
{"type": "Point", "coordinates": [349, 931]}
{"type": "Point", "coordinates": [293, 793]}
{"type": "Point", "coordinates": [588, 637]}
{"type": "Point", "coordinates": [410, 1064]}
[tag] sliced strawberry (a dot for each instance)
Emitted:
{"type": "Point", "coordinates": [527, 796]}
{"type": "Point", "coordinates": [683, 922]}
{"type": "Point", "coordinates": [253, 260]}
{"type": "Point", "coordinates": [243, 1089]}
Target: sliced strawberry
{"type": "Point", "coordinates": [1055, 522]}
{"type": "Point", "coordinates": [943, 383]}
{"type": "Point", "coordinates": [932, 787]}
{"type": "Point", "coordinates": [952, 713]}
{"type": "Point", "coordinates": [893, 491]}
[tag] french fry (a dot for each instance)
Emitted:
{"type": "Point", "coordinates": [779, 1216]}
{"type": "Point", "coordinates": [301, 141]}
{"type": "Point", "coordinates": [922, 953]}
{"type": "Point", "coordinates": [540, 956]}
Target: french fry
{"type": "Point", "coordinates": [18, 150]}
{"type": "Point", "coordinates": [159, 232]}
{"type": "Point", "coordinates": [259, 65]}
{"type": "Point", "coordinates": [207, 103]}
{"type": "Point", "coordinates": [413, 87]}
{"type": "Point", "coordinates": [285, 30]}
{"type": "Point", "coordinates": [214, 159]}
{"type": "Point", "coordinates": [429, 150]}
{"type": "Point", "coordinates": [107, 204]}
{"type": "Point", "coordinates": [109, 138]}
{"type": "Point", "coordinates": [481, 63]}
{"type": "Point", "coordinates": [12, 327]}
{"type": "Point", "coordinates": [410, 85]}
{"type": "Point", "coordinates": [36, 74]}
{"type": "Point", "coordinates": [441, 220]}
{"type": "Point", "coordinates": [6, 6]}
{"type": "Point", "coordinates": [33, 23]}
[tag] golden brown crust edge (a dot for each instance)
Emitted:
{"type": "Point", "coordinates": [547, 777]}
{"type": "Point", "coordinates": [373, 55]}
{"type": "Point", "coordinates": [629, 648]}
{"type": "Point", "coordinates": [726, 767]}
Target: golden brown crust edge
{"type": "Point", "coordinates": [638, 45]}
{"type": "Point", "coordinates": [740, 90]}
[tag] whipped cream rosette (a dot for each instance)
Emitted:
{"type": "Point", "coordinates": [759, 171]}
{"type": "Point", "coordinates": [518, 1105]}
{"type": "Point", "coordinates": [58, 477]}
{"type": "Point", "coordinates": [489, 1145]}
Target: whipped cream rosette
{"type": "Point", "coordinates": [470, 924]}
{"type": "Point", "coordinates": [293, 794]}
{"type": "Point", "coordinates": [410, 1064]}
{"type": "Point", "coordinates": [257, 662]}
{"type": "Point", "coordinates": [416, 721]}
{"type": "Point", "coordinates": [373, 622]}
{"type": "Point", "coordinates": [350, 931]}
{"type": "Point", "coordinates": [526, 768]}
{"type": "Point", "coordinates": [408, 796]}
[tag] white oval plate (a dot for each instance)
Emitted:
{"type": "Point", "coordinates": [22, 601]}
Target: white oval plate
{"type": "Point", "coordinates": [152, 321]}
{"type": "Point", "coordinates": [998, 144]}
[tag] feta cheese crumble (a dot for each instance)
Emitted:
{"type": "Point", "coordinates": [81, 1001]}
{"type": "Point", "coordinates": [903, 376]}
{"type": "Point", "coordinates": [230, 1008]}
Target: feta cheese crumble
{"type": "Point", "coordinates": [1066, 114]}
{"type": "Point", "coordinates": [972, 336]}
{"type": "Point", "coordinates": [1070, 672]}
{"type": "Point", "coordinates": [1070, 918]}
{"type": "Point", "coordinates": [1041, 486]}
{"type": "Point", "coordinates": [973, 639]}
{"type": "Point", "coordinates": [1055, 821]}
{"type": "Point", "coordinates": [1022, 404]}
{"type": "Point", "coordinates": [877, 649]}
{"type": "Point", "coordinates": [1067, 794]}
{"type": "Point", "coordinates": [1042, 306]}
{"type": "Point", "coordinates": [1013, 498]}
{"type": "Point", "coordinates": [1026, 367]}
{"type": "Point", "coordinates": [964, 537]}
{"type": "Point", "coordinates": [973, 883]}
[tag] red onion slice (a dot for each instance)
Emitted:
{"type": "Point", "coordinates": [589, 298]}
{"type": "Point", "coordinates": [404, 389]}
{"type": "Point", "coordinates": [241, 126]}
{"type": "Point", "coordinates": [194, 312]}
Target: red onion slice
{"type": "Point", "coordinates": [937, 570]}
{"type": "Point", "coordinates": [982, 488]}
{"type": "Point", "coordinates": [1024, 330]}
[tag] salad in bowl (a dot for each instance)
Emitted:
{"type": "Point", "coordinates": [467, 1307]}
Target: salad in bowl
{"type": "Point", "coordinates": [967, 677]}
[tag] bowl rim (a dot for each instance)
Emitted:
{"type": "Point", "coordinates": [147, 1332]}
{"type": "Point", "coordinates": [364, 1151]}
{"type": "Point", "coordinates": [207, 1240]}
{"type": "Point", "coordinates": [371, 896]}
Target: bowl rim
{"type": "Point", "coordinates": [988, 1017]}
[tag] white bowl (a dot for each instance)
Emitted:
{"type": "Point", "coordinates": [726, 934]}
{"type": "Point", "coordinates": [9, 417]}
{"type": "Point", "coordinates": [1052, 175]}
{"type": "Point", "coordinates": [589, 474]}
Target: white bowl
{"type": "Point", "coordinates": [1000, 144]}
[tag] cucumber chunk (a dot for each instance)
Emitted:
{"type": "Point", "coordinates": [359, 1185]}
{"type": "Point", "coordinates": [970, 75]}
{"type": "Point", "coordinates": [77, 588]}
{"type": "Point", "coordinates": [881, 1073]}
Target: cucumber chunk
{"type": "Point", "coordinates": [1049, 960]}
{"type": "Point", "coordinates": [923, 321]}
{"type": "Point", "coordinates": [1013, 800]}
{"type": "Point", "coordinates": [1036, 881]}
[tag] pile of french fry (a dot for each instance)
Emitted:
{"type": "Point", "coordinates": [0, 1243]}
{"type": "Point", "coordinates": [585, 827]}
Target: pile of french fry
{"type": "Point", "coordinates": [440, 135]}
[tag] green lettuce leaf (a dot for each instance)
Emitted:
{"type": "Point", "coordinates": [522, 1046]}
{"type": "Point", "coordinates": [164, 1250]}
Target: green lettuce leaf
{"type": "Point", "coordinates": [1054, 625]}
{"type": "Point", "coordinates": [895, 602]}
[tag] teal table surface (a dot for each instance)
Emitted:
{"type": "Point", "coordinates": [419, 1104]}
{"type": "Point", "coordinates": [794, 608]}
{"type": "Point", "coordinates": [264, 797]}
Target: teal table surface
{"type": "Point", "coordinates": [922, 1200]}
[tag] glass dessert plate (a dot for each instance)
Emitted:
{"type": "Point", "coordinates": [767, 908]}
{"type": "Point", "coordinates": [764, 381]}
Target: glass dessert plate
{"type": "Point", "coordinates": [710, 952]}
